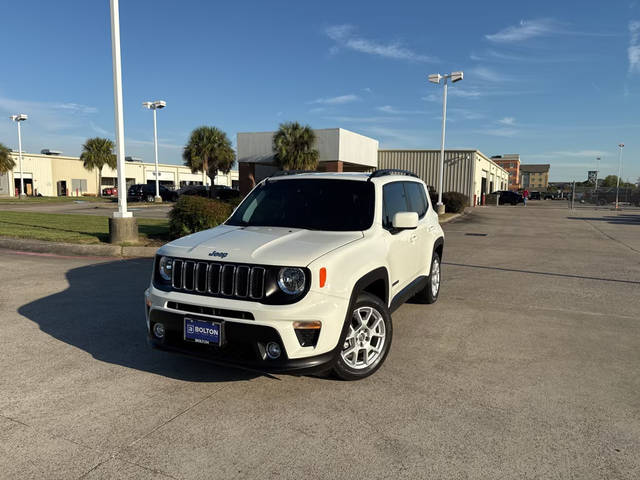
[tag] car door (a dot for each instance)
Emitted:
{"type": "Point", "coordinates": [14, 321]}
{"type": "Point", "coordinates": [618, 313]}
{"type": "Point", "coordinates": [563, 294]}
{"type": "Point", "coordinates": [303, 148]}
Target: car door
{"type": "Point", "coordinates": [402, 249]}
{"type": "Point", "coordinates": [427, 229]}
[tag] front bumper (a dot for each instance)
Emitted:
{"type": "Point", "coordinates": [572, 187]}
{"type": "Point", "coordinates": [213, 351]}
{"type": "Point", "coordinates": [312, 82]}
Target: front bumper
{"type": "Point", "coordinates": [245, 338]}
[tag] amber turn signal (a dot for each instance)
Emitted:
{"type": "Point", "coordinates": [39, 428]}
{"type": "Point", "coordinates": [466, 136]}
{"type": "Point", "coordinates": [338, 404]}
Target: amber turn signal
{"type": "Point", "coordinates": [323, 276]}
{"type": "Point", "coordinates": [314, 325]}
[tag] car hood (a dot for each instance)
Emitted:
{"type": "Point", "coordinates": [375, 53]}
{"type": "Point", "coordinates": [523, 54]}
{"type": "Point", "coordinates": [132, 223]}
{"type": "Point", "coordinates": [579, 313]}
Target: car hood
{"type": "Point", "coordinates": [259, 245]}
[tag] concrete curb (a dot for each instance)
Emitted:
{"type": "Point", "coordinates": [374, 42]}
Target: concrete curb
{"type": "Point", "coordinates": [76, 249]}
{"type": "Point", "coordinates": [447, 220]}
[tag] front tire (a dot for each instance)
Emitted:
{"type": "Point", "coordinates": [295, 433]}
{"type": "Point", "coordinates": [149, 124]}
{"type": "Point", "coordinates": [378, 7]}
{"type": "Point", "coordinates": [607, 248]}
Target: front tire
{"type": "Point", "coordinates": [429, 294]}
{"type": "Point", "coordinates": [368, 339]}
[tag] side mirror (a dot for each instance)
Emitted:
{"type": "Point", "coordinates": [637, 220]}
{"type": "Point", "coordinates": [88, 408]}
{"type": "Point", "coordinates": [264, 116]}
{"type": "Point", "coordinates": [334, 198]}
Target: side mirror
{"type": "Point", "coordinates": [405, 220]}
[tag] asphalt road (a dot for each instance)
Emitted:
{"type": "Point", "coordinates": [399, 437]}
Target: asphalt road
{"type": "Point", "coordinates": [527, 367]}
{"type": "Point", "coordinates": [139, 209]}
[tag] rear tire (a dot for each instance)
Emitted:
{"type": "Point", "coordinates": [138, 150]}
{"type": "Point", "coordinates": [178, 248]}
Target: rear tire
{"type": "Point", "coordinates": [368, 339]}
{"type": "Point", "coordinates": [429, 294]}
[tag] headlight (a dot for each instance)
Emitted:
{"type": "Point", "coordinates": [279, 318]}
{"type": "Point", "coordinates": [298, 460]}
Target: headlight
{"type": "Point", "coordinates": [165, 268]}
{"type": "Point", "coordinates": [291, 280]}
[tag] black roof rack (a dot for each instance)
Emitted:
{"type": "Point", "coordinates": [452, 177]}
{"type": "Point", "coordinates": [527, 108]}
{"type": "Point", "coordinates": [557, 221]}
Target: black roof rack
{"type": "Point", "coordinates": [282, 173]}
{"type": "Point", "coordinates": [391, 171]}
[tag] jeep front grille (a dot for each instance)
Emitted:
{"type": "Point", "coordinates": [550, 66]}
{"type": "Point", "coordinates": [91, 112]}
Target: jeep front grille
{"type": "Point", "coordinates": [218, 279]}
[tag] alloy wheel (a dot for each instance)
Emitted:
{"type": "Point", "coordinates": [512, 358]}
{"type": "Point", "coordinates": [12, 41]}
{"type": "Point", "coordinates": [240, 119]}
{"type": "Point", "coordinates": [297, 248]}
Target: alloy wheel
{"type": "Point", "coordinates": [435, 277]}
{"type": "Point", "coordinates": [365, 342]}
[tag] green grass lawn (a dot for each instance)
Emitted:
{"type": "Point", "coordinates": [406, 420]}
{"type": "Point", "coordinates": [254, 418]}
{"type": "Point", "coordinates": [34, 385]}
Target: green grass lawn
{"type": "Point", "coordinates": [37, 200]}
{"type": "Point", "coordinates": [75, 228]}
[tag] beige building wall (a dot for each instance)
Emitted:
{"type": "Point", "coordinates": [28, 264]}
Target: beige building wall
{"type": "Point", "coordinates": [497, 178]}
{"type": "Point", "coordinates": [463, 169]}
{"type": "Point", "coordinates": [44, 172]}
{"type": "Point", "coordinates": [71, 170]}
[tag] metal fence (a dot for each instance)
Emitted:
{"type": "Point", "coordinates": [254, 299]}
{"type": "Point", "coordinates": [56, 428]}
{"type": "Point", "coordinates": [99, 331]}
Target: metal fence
{"type": "Point", "coordinates": [581, 196]}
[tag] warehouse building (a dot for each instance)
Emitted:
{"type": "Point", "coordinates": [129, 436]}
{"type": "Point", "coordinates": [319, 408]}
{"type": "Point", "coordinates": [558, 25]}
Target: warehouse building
{"type": "Point", "coordinates": [51, 174]}
{"type": "Point", "coordinates": [466, 171]}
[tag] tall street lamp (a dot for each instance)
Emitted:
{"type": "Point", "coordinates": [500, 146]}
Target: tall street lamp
{"type": "Point", "coordinates": [123, 226]}
{"type": "Point", "coordinates": [21, 117]}
{"type": "Point", "coordinates": [435, 78]}
{"type": "Point", "coordinates": [620, 147]}
{"type": "Point", "coordinates": [158, 104]}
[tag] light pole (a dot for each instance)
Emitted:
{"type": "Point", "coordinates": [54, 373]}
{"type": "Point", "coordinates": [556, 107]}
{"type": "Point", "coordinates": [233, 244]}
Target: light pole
{"type": "Point", "coordinates": [158, 104]}
{"type": "Point", "coordinates": [620, 147]}
{"type": "Point", "coordinates": [597, 172]}
{"type": "Point", "coordinates": [435, 78]}
{"type": "Point", "coordinates": [123, 226]}
{"type": "Point", "coordinates": [21, 117]}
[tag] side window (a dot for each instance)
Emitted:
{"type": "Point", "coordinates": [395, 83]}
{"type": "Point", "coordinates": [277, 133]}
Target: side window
{"type": "Point", "coordinates": [394, 200]}
{"type": "Point", "coordinates": [417, 198]}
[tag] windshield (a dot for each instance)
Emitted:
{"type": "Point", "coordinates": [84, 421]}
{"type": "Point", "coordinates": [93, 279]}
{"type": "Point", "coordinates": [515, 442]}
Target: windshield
{"type": "Point", "coordinates": [313, 204]}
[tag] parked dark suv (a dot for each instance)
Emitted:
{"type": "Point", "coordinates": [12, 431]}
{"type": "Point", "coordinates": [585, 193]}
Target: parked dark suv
{"type": "Point", "coordinates": [507, 196]}
{"type": "Point", "coordinates": [141, 192]}
{"type": "Point", "coordinates": [221, 192]}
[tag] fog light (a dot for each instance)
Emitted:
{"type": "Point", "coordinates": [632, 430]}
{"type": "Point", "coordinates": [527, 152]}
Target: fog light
{"type": "Point", "coordinates": [158, 330]}
{"type": "Point", "coordinates": [273, 350]}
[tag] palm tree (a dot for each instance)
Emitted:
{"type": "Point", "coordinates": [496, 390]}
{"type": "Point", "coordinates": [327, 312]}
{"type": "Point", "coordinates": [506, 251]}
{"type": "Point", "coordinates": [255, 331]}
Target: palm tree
{"type": "Point", "coordinates": [96, 153]}
{"type": "Point", "coordinates": [208, 151]}
{"type": "Point", "coordinates": [6, 161]}
{"type": "Point", "coordinates": [293, 147]}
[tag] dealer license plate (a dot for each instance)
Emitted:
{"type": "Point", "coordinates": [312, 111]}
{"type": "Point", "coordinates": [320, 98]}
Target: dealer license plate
{"type": "Point", "coordinates": [201, 331]}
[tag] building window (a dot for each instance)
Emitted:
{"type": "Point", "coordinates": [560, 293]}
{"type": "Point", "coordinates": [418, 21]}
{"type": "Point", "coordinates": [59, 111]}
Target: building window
{"type": "Point", "coordinates": [78, 185]}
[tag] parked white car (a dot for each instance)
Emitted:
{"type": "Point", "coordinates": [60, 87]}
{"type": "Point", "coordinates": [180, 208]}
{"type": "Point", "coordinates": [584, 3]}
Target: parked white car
{"type": "Point", "coordinates": [303, 276]}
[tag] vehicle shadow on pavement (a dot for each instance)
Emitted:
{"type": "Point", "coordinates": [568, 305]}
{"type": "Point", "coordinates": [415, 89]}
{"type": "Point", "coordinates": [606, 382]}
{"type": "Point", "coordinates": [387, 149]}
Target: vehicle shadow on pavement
{"type": "Point", "coordinates": [626, 219]}
{"type": "Point", "coordinates": [102, 313]}
{"type": "Point", "coordinates": [550, 274]}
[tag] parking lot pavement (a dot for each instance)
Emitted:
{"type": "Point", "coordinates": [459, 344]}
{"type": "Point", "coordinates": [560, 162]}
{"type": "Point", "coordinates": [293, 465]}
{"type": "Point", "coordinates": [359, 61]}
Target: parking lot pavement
{"type": "Point", "coordinates": [527, 367]}
{"type": "Point", "coordinates": [139, 209]}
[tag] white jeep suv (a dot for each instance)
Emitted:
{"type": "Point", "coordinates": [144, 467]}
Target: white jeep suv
{"type": "Point", "coordinates": [303, 276]}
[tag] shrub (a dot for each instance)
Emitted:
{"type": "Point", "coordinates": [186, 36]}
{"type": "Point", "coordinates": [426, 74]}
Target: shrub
{"type": "Point", "coordinates": [455, 202]}
{"type": "Point", "coordinates": [192, 214]}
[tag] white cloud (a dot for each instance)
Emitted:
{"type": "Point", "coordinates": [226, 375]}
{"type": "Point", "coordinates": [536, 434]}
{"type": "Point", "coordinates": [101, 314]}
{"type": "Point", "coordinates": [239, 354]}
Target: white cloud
{"type": "Point", "coordinates": [580, 153]}
{"type": "Point", "coordinates": [394, 111]}
{"type": "Point", "coordinates": [525, 30]}
{"type": "Point", "coordinates": [460, 92]}
{"type": "Point", "coordinates": [507, 121]}
{"type": "Point", "coordinates": [372, 119]}
{"type": "Point", "coordinates": [488, 75]}
{"type": "Point", "coordinates": [432, 97]}
{"type": "Point", "coordinates": [76, 108]}
{"type": "Point", "coordinates": [367, 90]}
{"type": "Point", "coordinates": [500, 132]}
{"type": "Point", "coordinates": [99, 130]}
{"type": "Point", "coordinates": [390, 138]}
{"type": "Point", "coordinates": [317, 110]}
{"type": "Point", "coordinates": [345, 36]}
{"type": "Point", "coordinates": [634, 47]}
{"type": "Point", "coordinates": [339, 100]}
{"type": "Point", "coordinates": [49, 116]}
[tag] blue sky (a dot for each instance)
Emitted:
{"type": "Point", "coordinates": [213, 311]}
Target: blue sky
{"type": "Point", "coordinates": [557, 82]}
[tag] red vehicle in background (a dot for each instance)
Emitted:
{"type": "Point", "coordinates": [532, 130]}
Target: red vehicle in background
{"type": "Point", "coordinates": [110, 192]}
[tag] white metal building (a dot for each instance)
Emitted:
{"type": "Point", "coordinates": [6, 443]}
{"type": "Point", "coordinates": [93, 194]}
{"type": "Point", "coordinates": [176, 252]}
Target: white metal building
{"type": "Point", "coordinates": [56, 175]}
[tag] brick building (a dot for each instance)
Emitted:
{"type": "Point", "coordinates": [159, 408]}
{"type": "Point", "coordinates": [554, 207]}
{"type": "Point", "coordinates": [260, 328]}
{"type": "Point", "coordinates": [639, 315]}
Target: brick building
{"type": "Point", "coordinates": [511, 163]}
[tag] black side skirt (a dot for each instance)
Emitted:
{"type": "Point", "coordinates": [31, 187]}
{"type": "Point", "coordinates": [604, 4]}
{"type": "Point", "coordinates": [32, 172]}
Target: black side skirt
{"type": "Point", "coordinates": [407, 292]}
